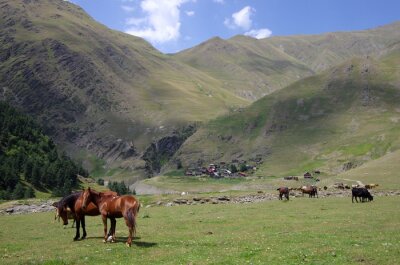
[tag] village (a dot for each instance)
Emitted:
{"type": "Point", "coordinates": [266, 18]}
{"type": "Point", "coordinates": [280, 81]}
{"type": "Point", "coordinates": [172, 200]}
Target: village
{"type": "Point", "coordinates": [235, 169]}
{"type": "Point", "coordinates": [238, 169]}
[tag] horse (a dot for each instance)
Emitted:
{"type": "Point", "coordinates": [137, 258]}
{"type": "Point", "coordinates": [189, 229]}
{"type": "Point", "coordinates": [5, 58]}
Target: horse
{"type": "Point", "coordinates": [69, 215]}
{"type": "Point", "coordinates": [126, 206]}
{"type": "Point", "coordinates": [283, 191]}
{"type": "Point", "coordinates": [310, 190]}
{"type": "Point", "coordinates": [74, 203]}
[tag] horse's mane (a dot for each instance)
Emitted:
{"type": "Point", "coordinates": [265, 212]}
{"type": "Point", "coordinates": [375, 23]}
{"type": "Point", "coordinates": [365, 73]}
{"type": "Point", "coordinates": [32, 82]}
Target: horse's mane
{"type": "Point", "coordinates": [69, 200]}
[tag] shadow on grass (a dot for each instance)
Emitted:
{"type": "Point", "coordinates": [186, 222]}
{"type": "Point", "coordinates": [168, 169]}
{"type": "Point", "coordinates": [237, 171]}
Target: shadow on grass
{"type": "Point", "coordinates": [123, 240]}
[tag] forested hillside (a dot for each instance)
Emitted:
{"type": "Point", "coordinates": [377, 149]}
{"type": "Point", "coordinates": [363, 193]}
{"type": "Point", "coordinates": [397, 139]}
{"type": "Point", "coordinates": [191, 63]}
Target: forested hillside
{"type": "Point", "coordinates": [29, 159]}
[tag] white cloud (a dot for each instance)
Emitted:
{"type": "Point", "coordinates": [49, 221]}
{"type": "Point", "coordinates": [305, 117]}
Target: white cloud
{"type": "Point", "coordinates": [190, 13]}
{"type": "Point", "coordinates": [127, 9]}
{"type": "Point", "coordinates": [240, 19]}
{"type": "Point", "coordinates": [161, 23]}
{"type": "Point", "coordinates": [219, 1]}
{"type": "Point", "coordinates": [132, 21]}
{"type": "Point", "coordinates": [259, 33]}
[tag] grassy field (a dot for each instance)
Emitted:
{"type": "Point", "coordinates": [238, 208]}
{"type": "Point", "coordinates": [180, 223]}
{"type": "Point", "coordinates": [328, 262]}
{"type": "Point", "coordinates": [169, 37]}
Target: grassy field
{"type": "Point", "coordinates": [301, 231]}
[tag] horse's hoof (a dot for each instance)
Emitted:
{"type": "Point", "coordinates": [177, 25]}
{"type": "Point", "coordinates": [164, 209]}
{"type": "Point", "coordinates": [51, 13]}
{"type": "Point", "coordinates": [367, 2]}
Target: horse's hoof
{"type": "Point", "coordinates": [82, 238]}
{"type": "Point", "coordinates": [104, 241]}
{"type": "Point", "coordinates": [128, 244]}
{"type": "Point", "coordinates": [76, 239]}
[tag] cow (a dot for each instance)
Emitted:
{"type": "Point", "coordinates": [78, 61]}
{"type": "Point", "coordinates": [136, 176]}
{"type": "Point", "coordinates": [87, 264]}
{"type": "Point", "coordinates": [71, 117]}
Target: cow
{"type": "Point", "coordinates": [283, 191]}
{"type": "Point", "coordinates": [361, 193]}
{"type": "Point", "coordinates": [371, 186]}
{"type": "Point", "coordinates": [339, 186]}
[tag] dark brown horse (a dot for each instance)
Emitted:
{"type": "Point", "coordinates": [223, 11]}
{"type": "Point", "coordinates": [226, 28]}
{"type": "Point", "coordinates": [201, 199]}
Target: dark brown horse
{"type": "Point", "coordinates": [125, 206]}
{"type": "Point", "coordinates": [283, 191]}
{"type": "Point", "coordinates": [74, 203]}
{"type": "Point", "coordinates": [70, 215]}
{"type": "Point", "coordinates": [310, 190]}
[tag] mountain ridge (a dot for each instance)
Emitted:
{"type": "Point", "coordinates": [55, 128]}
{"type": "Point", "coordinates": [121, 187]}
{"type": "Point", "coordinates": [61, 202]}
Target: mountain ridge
{"type": "Point", "coordinates": [115, 102]}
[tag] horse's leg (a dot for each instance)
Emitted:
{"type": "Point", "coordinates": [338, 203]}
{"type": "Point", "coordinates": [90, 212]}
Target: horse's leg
{"type": "Point", "coordinates": [83, 227]}
{"type": "Point", "coordinates": [113, 228]}
{"type": "Point", "coordinates": [73, 223]}
{"type": "Point", "coordinates": [104, 218]}
{"type": "Point", "coordinates": [78, 226]}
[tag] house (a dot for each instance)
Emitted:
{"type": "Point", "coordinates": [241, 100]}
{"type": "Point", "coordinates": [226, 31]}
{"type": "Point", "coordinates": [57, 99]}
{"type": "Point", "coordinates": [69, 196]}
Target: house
{"type": "Point", "coordinates": [307, 175]}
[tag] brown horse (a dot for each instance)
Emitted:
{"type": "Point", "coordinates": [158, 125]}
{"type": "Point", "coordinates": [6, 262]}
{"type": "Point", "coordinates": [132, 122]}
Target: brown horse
{"type": "Point", "coordinates": [125, 206]}
{"type": "Point", "coordinates": [283, 191]}
{"type": "Point", "coordinates": [74, 203]}
{"type": "Point", "coordinates": [310, 190]}
{"type": "Point", "coordinates": [70, 215]}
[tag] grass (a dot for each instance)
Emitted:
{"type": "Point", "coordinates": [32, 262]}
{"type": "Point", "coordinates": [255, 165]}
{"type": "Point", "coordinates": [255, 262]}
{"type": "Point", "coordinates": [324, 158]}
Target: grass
{"type": "Point", "coordinates": [301, 231]}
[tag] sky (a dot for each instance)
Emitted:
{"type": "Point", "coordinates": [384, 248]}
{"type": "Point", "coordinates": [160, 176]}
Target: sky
{"type": "Point", "coordinates": [175, 25]}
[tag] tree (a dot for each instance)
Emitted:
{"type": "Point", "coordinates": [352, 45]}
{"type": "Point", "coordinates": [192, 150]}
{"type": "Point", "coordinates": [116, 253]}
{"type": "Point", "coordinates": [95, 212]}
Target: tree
{"type": "Point", "coordinates": [29, 193]}
{"type": "Point", "coordinates": [179, 164]}
{"type": "Point", "coordinates": [18, 192]}
{"type": "Point", "coordinates": [243, 167]}
{"type": "Point", "coordinates": [233, 168]}
{"type": "Point", "coordinates": [100, 181]}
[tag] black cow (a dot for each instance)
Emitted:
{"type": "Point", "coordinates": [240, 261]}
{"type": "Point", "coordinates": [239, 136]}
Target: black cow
{"type": "Point", "coordinates": [361, 193]}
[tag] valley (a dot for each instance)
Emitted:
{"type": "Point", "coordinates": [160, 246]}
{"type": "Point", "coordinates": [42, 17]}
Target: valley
{"type": "Point", "coordinates": [129, 112]}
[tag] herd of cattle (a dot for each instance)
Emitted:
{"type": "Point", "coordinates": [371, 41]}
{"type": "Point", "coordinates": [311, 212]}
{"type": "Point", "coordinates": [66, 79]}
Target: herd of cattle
{"type": "Point", "coordinates": [357, 192]}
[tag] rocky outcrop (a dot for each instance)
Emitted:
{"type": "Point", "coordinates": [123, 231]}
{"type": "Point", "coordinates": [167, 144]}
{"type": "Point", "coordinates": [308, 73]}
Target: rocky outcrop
{"type": "Point", "coordinates": [160, 152]}
{"type": "Point", "coordinates": [29, 207]}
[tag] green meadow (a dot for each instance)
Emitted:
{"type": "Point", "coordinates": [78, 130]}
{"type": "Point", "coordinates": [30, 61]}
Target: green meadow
{"type": "Point", "coordinates": [300, 231]}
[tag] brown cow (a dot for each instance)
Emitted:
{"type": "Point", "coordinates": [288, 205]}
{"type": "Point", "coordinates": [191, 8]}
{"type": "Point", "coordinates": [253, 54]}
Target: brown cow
{"type": "Point", "coordinates": [371, 186]}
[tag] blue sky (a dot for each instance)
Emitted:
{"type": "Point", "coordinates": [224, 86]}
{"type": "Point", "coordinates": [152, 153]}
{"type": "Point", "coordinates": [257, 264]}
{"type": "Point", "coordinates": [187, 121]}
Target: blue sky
{"type": "Point", "coordinates": [174, 25]}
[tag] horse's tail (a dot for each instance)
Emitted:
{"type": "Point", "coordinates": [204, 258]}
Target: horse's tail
{"type": "Point", "coordinates": [131, 216]}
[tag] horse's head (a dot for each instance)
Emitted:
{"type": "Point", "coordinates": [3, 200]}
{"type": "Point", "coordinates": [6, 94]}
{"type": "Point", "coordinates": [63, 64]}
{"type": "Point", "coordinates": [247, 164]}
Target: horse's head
{"type": "Point", "coordinates": [86, 197]}
{"type": "Point", "coordinates": [62, 212]}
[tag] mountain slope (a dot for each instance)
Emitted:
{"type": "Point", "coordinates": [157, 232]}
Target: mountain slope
{"type": "Point", "coordinates": [99, 92]}
{"type": "Point", "coordinates": [28, 158]}
{"type": "Point", "coordinates": [335, 121]}
{"type": "Point", "coordinates": [252, 68]}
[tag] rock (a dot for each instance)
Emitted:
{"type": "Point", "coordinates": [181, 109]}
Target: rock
{"type": "Point", "coordinates": [180, 201]}
{"type": "Point", "coordinates": [224, 198]}
{"type": "Point", "coordinates": [169, 204]}
{"type": "Point", "coordinates": [11, 210]}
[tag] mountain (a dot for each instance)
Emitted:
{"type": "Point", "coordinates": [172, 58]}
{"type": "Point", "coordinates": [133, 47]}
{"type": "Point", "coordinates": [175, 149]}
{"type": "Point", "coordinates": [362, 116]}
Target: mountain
{"type": "Point", "coordinates": [123, 108]}
{"type": "Point", "coordinates": [252, 68]}
{"type": "Point", "coordinates": [335, 121]}
{"type": "Point", "coordinates": [103, 95]}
